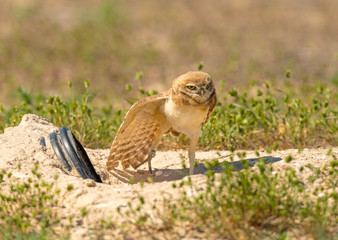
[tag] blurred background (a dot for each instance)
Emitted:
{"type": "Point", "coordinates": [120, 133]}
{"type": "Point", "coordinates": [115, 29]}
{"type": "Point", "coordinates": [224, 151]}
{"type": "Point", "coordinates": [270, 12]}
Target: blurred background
{"type": "Point", "coordinates": [45, 44]}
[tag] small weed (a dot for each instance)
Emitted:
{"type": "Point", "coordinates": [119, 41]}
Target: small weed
{"type": "Point", "coordinates": [288, 158]}
{"type": "Point", "coordinates": [70, 187]}
{"type": "Point", "coordinates": [84, 212]}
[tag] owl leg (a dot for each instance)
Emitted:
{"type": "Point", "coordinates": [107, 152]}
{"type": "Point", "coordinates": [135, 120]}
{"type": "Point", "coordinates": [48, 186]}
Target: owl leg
{"type": "Point", "coordinates": [191, 153]}
{"type": "Point", "coordinates": [150, 156]}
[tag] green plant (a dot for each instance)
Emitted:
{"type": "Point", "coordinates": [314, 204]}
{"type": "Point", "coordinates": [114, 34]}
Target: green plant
{"type": "Point", "coordinates": [28, 208]}
{"type": "Point", "coordinates": [273, 120]}
{"type": "Point", "coordinates": [269, 119]}
{"type": "Point", "coordinates": [95, 127]}
{"type": "Point", "coordinates": [254, 202]}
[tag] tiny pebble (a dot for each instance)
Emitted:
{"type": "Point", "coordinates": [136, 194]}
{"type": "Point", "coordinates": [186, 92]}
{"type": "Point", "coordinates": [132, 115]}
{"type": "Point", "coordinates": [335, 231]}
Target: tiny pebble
{"type": "Point", "coordinates": [122, 205]}
{"type": "Point", "coordinates": [158, 173]}
{"type": "Point", "coordinates": [90, 183]}
{"type": "Point", "coordinates": [321, 195]}
{"type": "Point", "coordinates": [22, 152]}
{"type": "Point", "coordinates": [43, 141]}
{"type": "Point", "coordinates": [190, 192]}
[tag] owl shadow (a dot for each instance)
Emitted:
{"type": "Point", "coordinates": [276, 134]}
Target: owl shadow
{"type": "Point", "coordinates": [161, 175]}
{"type": "Point", "coordinates": [177, 174]}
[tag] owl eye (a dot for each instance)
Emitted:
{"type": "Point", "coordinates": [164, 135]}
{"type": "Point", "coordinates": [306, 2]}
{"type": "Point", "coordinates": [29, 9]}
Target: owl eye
{"type": "Point", "coordinates": [191, 87]}
{"type": "Point", "coordinates": [208, 86]}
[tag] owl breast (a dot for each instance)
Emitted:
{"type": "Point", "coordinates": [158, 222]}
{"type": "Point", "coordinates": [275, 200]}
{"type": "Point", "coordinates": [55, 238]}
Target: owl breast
{"type": "Point", "coordinates": [186, 119]}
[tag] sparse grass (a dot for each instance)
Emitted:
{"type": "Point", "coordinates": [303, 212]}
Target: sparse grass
{"type": "Point", "coordinates": [95, 127]}
{"type": "Point", "coordinates": [253, 203]}
{"type": "Point", "coordinates": [249, 204]}
{"type": "Point", "coordinates": [266, 119]}
{"type": "Point", "coordinates": [28, 208]}
{"type": "Point", "coordinates": [271, 118]}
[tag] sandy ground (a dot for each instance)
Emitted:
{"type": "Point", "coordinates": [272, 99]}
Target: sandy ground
{"type": "Point", "coordinates": [21, 144]}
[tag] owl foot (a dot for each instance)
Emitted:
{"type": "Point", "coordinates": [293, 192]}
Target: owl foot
{"type": "Point", "coordinates": [150, 156]}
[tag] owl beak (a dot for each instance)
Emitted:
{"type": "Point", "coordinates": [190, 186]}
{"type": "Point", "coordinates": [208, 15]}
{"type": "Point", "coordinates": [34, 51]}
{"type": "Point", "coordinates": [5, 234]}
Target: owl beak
{"type": "Point", "coordinates": [202, 91]}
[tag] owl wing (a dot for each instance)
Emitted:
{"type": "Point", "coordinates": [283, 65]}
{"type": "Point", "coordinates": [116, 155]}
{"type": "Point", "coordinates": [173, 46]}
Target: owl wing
{"type": "Point", "coordinates": [212, 105]}
{"type": "Point", "coordinates": [136, 134]}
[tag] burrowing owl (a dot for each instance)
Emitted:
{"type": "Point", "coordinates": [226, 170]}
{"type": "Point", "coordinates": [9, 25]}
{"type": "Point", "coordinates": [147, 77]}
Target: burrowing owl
{"type": "Point", "coordinates": [184, 108]}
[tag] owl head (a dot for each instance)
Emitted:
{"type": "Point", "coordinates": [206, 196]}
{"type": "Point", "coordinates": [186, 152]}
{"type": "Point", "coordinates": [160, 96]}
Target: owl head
{"type": "Point", "coordinates": [194, 88]}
